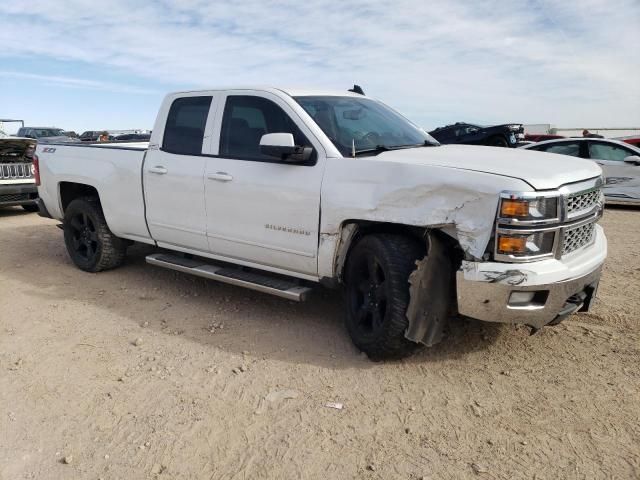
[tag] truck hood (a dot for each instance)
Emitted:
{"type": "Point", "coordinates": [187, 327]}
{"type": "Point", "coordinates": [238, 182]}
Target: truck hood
{"type": "Point", "coordinates": [543, 171]}
{"type": "Point", "coordinates": [15, 147]}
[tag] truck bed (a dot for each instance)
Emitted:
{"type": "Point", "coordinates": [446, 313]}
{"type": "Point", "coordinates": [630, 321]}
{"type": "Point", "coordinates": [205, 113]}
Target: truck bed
{"type": "Point", "coordinates": [113, 169]}
{"type": "Point", "coordinates": [129, 145]}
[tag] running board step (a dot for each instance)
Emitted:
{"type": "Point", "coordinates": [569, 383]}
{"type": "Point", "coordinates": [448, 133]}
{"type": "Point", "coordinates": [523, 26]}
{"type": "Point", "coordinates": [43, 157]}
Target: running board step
{"type": "Point", "coordinates": [261, 282]}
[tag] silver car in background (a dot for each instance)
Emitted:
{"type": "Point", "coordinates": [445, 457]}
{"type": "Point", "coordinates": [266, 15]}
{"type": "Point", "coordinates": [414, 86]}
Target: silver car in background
{"type": "Point", "coordinates": [620, 163]}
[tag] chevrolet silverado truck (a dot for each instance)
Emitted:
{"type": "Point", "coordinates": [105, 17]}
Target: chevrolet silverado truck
{"type": "Point", "coordinates": [17, 182]}
{"type": "Point", "coordinates": [281, 190]}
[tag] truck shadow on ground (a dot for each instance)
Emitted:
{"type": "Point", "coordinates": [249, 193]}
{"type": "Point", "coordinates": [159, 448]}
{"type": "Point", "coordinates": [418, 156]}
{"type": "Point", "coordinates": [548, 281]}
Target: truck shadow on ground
{"type": "Point", "coordinates": [173, 303]}
{"type": "Point", "coordinates": [13, 212]}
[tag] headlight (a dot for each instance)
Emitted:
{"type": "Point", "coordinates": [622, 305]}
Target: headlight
{"type": "Point", "coordinates": [515, 244]}
{"type": "Point", "coordinates": [527, 226]}
{"type": "Point", "coordinates": [528, 209]}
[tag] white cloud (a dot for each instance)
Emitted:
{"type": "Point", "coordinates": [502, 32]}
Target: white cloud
{"type": "Point", "coordinates": [438, 61]}
{"type": "Point", "coordinates": [78, 82]}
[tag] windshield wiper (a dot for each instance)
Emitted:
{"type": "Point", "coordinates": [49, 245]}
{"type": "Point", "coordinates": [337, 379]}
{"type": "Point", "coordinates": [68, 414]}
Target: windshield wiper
{"type": "Point", "coordinates": [385, 148]}
{"type": "Point", "coordinates": [426, 143]}
{"type": "Point", "coordinates": [377, 149]}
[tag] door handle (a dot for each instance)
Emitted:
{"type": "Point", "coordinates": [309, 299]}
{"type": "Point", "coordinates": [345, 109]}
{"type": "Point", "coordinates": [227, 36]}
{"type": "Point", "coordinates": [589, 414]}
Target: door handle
{"type": "Point", "coordinates": [160, 170]}
{"type": "Point", "coordinates": [220, 176]}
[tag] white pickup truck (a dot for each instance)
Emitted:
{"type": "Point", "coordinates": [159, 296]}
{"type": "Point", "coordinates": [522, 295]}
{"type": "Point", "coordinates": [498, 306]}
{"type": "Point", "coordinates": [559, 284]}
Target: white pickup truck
{"type": "Point", "coordinates": [279, 190]}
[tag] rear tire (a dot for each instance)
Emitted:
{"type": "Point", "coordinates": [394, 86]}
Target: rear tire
{"type": "Point", "coordinates": [90, 244]}
{"type": "Point", "coordinates": [377, 294]}
{"type": "Point", "coordinates": [30, 208]}
{"type": "Point", "coordinates": [498, 141]}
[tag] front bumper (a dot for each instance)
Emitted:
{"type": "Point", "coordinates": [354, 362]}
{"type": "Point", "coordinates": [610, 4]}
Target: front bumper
{"type": "Point", "coordinates": [18, 194]}
{"type": "Point", "coordinates": [559, 287]}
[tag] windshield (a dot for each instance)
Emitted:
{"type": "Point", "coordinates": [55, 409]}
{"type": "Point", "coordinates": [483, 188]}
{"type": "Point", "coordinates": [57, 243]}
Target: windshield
{"type": "Point", "coordinates": [363, 124]}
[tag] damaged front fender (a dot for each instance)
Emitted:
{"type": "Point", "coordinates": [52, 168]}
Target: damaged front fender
{"type": "Point", "coordinates": [461, 203]}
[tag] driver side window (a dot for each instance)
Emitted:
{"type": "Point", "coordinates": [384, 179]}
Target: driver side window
{"type": "Point", "coordinates": [246, 119]}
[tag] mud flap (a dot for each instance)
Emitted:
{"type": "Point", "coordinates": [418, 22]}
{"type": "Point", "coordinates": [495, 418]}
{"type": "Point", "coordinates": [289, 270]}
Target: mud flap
{"type": "Point", "coordinates": [429, 295]}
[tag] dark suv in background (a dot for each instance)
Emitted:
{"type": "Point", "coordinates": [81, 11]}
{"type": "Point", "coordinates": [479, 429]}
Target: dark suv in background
{"type": "Point", "coordinates": [507, 135]}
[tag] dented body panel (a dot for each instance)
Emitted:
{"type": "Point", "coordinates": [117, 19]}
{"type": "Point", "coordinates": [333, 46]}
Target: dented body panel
{"type": "Point", "coordinates": [484, 289]}
{"type": "Point", "coordinates": [430, 295]}
{"type": "Point", "coordinates": [462, 203]}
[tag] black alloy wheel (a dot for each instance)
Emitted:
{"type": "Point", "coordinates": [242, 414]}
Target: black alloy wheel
{"type": "Point", "coordinates": [368, 300]}
{"type": "Point", "coordinates": [90, 244]}
{"type": "Point", "coordinates": [377, 293]}
{"type": "Point", "coordinates": [84, 238]}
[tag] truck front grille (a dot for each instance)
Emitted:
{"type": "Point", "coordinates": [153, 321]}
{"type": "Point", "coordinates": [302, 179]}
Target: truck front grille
{"type": "Point", "coordinates": [582, 202]}
{"type": "Point", "coordinates": [15, 171]}
{"type": "Point", "coordinates": [578, 237]}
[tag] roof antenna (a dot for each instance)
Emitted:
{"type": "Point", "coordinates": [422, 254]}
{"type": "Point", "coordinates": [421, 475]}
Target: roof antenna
{"type": "Point", "coordinates": [357, 89]}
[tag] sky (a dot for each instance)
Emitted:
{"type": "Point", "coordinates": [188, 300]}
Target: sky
{"type": "Point", "coordinates": [82, 65]}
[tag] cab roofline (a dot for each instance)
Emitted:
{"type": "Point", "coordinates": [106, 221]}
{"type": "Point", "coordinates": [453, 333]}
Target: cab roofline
{"type": "Point", "coordinates": [292, 92]}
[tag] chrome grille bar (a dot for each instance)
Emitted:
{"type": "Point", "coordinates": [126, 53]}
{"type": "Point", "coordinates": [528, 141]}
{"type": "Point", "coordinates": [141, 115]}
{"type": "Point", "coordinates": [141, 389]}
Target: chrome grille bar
{"type": "Point", "coordinates": [15, 171]}
{"type": "Point", "coordinates": [578, 237]}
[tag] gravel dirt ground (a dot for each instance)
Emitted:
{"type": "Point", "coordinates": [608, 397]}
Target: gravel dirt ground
{"type": "Point", "coordinates": [142, 373]}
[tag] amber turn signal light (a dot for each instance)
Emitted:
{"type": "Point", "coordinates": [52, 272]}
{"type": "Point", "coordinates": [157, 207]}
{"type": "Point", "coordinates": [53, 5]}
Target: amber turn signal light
{"type": "Point", "coordinates": [508, 244]}
{"type": "Point", "coordinates": [514, 208]}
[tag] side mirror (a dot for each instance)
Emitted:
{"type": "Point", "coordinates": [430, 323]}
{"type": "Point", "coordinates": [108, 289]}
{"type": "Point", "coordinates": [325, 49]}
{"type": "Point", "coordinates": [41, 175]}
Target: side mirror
{"type": "Point", "coordinates": [632, 159]}
{"type": "Point", "coordinates": [283, 147]}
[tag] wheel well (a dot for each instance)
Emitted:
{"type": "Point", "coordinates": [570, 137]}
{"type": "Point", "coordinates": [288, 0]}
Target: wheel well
{"type": "Point", "coordinates": [69, 191]}
{"type": "Point", "coordinates": [501, 136]}
{"type": "Point", "coordinates": [364, 228]}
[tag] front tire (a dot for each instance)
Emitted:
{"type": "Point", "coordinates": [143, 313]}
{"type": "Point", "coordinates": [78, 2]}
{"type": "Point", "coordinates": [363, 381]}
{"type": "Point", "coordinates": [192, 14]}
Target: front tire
{"type": "Point", "coordinates": [90, 244]}
{"type": "Point", "coordinates": [377, 294]}
{"type": "Point", "coordinates": [498, 141]}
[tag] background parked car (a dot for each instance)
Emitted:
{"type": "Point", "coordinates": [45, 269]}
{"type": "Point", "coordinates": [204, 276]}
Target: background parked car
{"type": "Point", "coordinates": [620, 163]}
{"type": "Point", "coordinates": [535, 137]}
{"type": "Point", "coordinates": [635, 140]}
{"type": "Point", "coordinates": [90, 135]}
{"type": "Point", "coordinates": [506, 135]}
{"type": "Point", "coordinates": [128, 137]}
{"type": "Point", "coordinates": [45, 134]}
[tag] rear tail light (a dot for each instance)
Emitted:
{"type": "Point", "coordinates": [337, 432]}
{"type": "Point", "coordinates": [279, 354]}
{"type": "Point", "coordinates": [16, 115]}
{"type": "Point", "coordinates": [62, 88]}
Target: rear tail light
{"type": "Point", "coordinates": [36, 169]}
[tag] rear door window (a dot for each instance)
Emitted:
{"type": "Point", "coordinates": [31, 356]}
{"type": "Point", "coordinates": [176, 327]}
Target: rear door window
{"type": "Point", "coordinates": [186, 121]}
